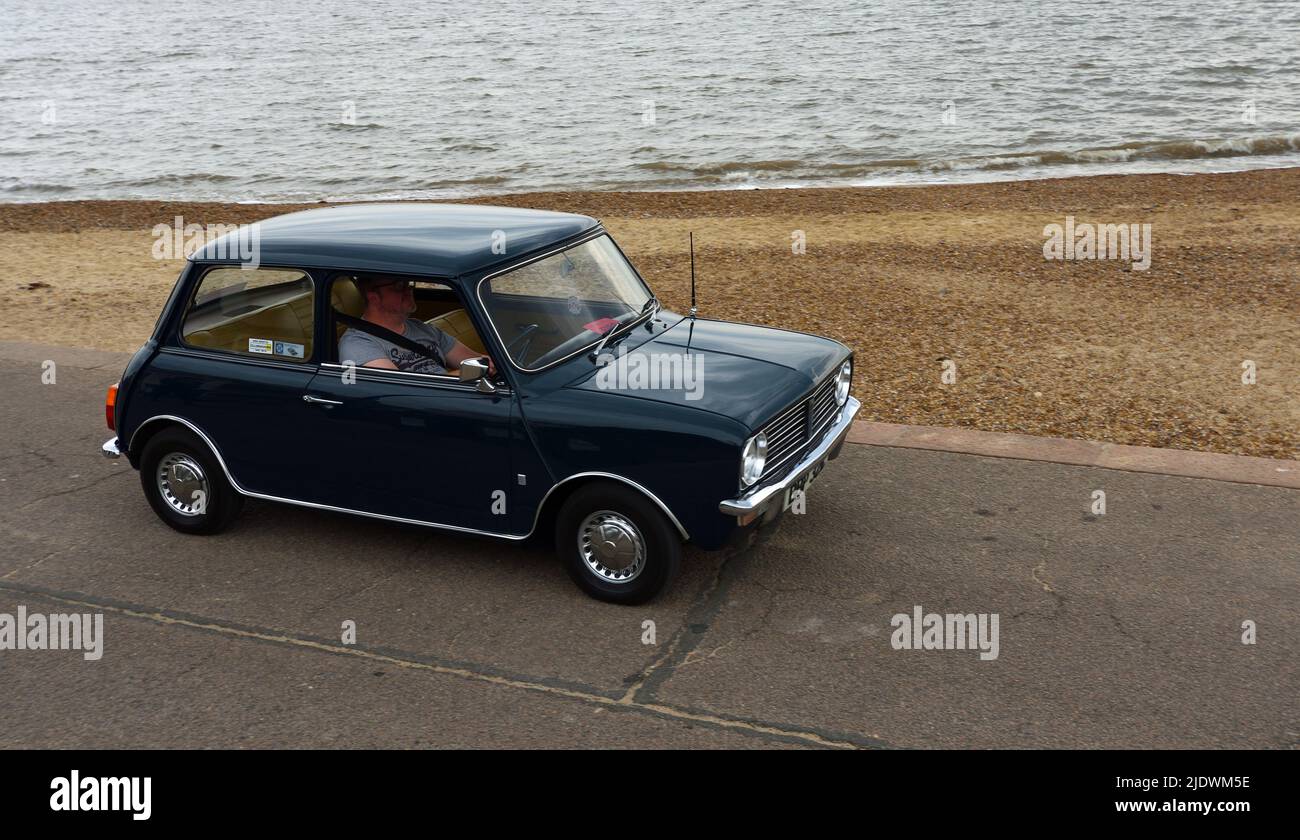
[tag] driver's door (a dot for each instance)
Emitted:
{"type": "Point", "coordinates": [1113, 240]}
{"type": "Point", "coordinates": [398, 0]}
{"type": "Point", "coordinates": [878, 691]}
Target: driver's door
{"type": "Point", "coordinates": [413, 447]}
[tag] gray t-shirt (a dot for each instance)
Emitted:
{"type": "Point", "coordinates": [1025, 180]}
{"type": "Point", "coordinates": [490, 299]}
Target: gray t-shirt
{"type": "Point", "coordinates": [360, 348]}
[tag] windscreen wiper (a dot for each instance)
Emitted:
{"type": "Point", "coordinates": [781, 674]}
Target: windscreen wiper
{"type": "Point", "coordinates": [609, 333]}
{"type": "Point", "coordinates": [604, 337]}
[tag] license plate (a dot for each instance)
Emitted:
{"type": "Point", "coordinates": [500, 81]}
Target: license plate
{"type": "Point", "coordinates": [802, 483]}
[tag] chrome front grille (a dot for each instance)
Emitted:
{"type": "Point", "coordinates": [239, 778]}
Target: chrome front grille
{"type": "Point", "coordinates": [791, 432]}
{"type": "Point", "coordinates": [787, 433]}
{"type": "Point", "coordinates": [823, 404]}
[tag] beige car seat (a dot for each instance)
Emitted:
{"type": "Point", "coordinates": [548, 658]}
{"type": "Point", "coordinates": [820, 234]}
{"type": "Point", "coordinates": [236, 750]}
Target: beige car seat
{"type": "Point", "coordinates": [290, 322]}
{"type": "Point", "coordinates": [456, 324]}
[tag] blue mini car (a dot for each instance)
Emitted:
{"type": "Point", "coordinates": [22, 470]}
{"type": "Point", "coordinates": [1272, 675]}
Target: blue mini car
{"type": "Point", "coordinates": [485, 370]}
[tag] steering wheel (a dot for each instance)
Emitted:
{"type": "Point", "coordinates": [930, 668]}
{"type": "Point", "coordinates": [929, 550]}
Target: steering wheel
{"type": "Point", "coordinates": [574, 344]}
{"type": "Point", "coordinates": [526, 333]}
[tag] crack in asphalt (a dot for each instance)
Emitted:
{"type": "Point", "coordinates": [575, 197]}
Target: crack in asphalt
{"type": "Point", "coordinates": [1126, 633]}
{"type": "Point", "coordinates": [684, 647]}
{"type": "Point", "coordinates": [692, 658]}
{"type": "Point", "coordinates": [24, 361]}
{"type": "Point", "coordinates": [765, 620]}
{"type": "Point", "coordinates": [695, 626]}
{"type": "Point", "coordinates": [1041, 568]}
{"type": "Point", "coordinates": [31, 566]}
{"type": "Point", "coordinates": [70, 491]}
{"type": "Point", "coordinates": [364, 585]}
{"type": "Point", "coordinates": [52, 457]}
{"type": "Point", "coordinates": [1047, 587]}
{"type": "Point", "coordinates": [477, 672]}
{"type": "Point", "coordinates": [45, 459]}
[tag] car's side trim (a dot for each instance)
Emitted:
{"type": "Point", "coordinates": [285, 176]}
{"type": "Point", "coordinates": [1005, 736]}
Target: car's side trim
{"type": "Point", "coordinates": [406, 377]}
{"type": "Point", "coordinates": [536, 516]}
{"type": "Point", "coordinates": [218, 355]}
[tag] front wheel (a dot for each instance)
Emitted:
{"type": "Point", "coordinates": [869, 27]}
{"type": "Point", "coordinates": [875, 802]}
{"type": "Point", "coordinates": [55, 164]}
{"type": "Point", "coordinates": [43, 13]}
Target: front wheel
{"type": "Point", "coordinates": [616, 544]}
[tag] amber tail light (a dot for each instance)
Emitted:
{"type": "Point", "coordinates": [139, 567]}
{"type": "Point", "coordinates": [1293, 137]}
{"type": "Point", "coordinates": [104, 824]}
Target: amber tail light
{"type": "Point", "coordinates": [110, 407]}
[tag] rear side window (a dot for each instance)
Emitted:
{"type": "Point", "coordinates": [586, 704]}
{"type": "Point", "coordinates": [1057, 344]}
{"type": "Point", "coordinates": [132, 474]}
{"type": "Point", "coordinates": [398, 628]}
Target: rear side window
{"type": "Point", "coordinates": [262, 313]}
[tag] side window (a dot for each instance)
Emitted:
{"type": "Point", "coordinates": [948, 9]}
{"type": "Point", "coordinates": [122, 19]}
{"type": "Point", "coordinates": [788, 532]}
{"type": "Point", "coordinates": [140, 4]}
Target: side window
{"type": "Point", "coordinates": [262, 313]}
{"type": "Point", "coordinates": [436, 304]}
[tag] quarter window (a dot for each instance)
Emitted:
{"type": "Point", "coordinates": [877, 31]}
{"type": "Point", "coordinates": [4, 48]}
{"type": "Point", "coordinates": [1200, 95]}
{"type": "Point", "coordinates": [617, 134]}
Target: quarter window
{"type": "Point", "coordinates": [263, 313]}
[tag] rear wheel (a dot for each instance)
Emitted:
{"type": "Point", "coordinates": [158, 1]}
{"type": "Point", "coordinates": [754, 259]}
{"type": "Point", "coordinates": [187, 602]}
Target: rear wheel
{"type": "Point", "coordinates": [616, 544]}
{"type": "Point", "coordinates": [185, 485]}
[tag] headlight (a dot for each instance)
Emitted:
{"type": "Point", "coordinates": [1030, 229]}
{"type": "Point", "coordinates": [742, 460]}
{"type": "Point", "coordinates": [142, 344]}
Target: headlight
{"type": "Point", "coordinates": [753, 459]}
{"type": "Point", "coordinates": [842, 382]}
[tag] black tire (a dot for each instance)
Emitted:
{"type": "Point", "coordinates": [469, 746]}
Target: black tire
{"type": "Point", "coordinates": [661, 545]}
{"type": "Point", "coordinates": [209, 514]}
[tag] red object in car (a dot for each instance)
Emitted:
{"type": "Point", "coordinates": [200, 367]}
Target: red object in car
{"type": "Point", "coordinates": [601, 325]}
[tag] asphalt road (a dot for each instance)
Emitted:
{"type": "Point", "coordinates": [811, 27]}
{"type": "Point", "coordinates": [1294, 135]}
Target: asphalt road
{"type": "Point", "coordinates": [1122, 630]}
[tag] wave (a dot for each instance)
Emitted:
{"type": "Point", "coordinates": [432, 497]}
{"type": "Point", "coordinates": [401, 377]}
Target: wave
{"type": "Point", "coordinates": [37, 188]}
{"type": "Point", "coordinates": [705, 170]}
{"type": "Point", "coordinates": [836, 165]}
{"type": "Point", "coordinates": [177, 180]}
{"type": "Point", "coordinates": [1170, 150]}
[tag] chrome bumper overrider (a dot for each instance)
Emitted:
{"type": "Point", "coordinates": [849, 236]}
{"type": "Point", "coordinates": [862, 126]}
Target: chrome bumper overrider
{"type": "Point", "coordinates": [758, 500]}
{"type": "Point", "coordinates": [110, 449]}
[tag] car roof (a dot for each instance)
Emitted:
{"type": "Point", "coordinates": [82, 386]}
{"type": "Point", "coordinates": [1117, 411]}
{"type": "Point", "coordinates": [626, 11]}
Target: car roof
{"type": "Point", "coordinates": [446, 240]}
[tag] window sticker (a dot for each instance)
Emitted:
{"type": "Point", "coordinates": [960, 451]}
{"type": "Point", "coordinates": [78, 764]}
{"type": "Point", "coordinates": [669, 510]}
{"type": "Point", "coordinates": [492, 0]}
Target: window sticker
{"type": "Point", "coordinates": [288, 348]}
{"type": "Point", "coordinates": [261, 345]}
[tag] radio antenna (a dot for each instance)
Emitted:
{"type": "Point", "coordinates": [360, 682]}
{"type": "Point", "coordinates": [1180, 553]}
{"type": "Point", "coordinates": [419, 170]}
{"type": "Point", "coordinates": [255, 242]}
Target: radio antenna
{"type": "Point", "coordinates": [694, 309]}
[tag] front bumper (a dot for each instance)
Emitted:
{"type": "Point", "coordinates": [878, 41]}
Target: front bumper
{"type": "Point", "coordinates": [760, 500]}
{"type": "Point", "coordinates": [110, 450]}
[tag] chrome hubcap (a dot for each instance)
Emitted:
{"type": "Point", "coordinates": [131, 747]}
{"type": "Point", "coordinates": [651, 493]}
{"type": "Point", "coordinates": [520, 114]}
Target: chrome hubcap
{"type": "Point", "coordinates": [611, 546]}
{"type": "Point", "coordinates": [183, 485]}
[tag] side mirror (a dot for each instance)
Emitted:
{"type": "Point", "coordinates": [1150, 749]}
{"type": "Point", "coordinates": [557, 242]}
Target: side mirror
{"type": "Point", "coordinates": [474, 370]}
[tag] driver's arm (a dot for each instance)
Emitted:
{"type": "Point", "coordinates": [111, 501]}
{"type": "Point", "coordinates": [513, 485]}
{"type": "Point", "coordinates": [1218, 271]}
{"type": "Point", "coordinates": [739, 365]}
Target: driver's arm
{"type": "Point", "coordinates": [460, 353]}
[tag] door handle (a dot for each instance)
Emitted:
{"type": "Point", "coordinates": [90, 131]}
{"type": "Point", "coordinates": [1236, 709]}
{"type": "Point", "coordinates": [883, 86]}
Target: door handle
{"type": "Point", "coordinates": [308, 398]}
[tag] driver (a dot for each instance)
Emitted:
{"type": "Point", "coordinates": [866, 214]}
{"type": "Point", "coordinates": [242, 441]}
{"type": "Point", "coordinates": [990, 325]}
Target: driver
{"type": "Point", "coordinates": [389, 304]}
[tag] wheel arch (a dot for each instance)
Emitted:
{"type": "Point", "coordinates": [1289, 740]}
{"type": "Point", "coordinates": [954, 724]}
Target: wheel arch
{"type": "Point", "coordinates": [147, 430]}
{"type": "Point", "coordinates": [555, 498]}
